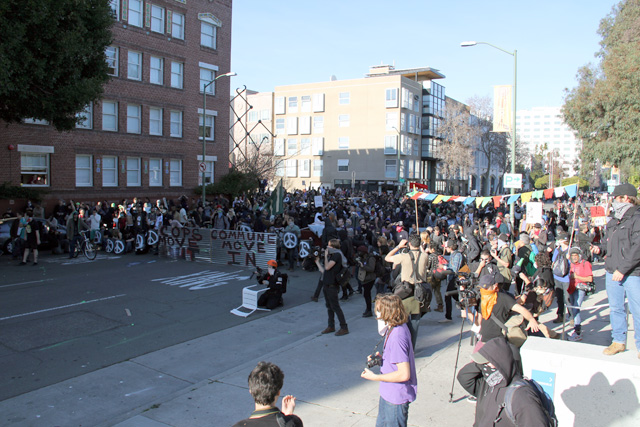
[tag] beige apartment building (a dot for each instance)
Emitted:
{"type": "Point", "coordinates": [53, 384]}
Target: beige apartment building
{"type": "Point", "coordinates": [372, 133]}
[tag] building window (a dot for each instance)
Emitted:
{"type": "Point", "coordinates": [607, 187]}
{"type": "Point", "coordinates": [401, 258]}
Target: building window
{"type": "Point", "coordinates": [391, 121]}
{"type": "Point", "coordinates": [292, 147]}
{"type": "Point", "coordinates": [155, 121]}
{"type": "Point", "coordinates": [34, 169]}
{"type": "Point", "coordinates": [279, 105]}
{"type": "Point", "coordinates": [85, 117]}
{"type": "Point", "coordinates": [305, 125]}
{"type": "Point", "coordinates": [280, 126]}
{"type": "Point", "coordinates": [305, 102]}
{"type": "Point", "coordinates": [207, 76]}
{"type": "Point", "coordinates": [305, 147]}
{"type": "Point", "coordinates": [318, 124]}
{"type": "Point", "coordinates": [155, 172]}
{"type": "Point", "coordinates": [318, 102]}
{"type": "Point", "coordinates": [343, 143]}
{"type": "Point", "coordinates": [209, 124]}
{"type": "Point", "coordinates": [293, 104]}
{"type": "Point", "coordinates": [209, 172]}
{"type": "Point", "coordinates": [111, 52]}
{"type": "Point", "coordinates": [292, 125]}
{"type": "Point", "coordinates": [84, 171]}
{"type": "Point", "coordinates": [391, 98]}
{"type": "Point", "coordinates": [133, 172]}
{"type": "Point", "coordinates": [390, 170]}
{"type": "Point", "coordinates": [156, 70]}
{"type": "Point", "coordinates": [292, 168]}
{"type": "Point", "coordinates": [176, 74]}
{"type": "Point", "coordinates": [157, 19]}
{"type": "Point", "coordinates": [403, 122]}
{"type": "Point", "coordinates": [344, 98]}
{"type": "Point", "coordinates": [135, 13]}
{"type": "Point", "coordinates": [343, 165]}
{"type": "Point", "coordinates": [177, 26]}
{"type": "Point", "coordinates": [176, 124]}
{"type": "Point", "coordinates": [317, 146]}
{"type": "Point", "coordinates": [133, 118]}
{"type": "Point", "coordinates": [279, 167]}
{"type": "Point", "coordinates": [134, 65]}
{"type": "Point", "coordinates": [278, 147]}
{"type": "Point", "coordinates": [110, 116]}
{"type": "Point", "coordinates": [305, 168]}
{"type": "Point", "coordinates": [343, 120]}
{"type": "Point", "coordinates": [317, 167]}
{"type": "Point", "coordinates": [391, 144]}
{"type": "Point", "coordinates": [115, 8]}
{"type": "Point", "coordinates": [208, 34]}
{"type": "Point", "coordinates": [109, 171]}
{"type": "Point", "coordinates": [175, 173]}
{"type": "Point", "coordinates": [252, 116]}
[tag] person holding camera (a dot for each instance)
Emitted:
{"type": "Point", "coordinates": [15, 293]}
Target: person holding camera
{"type": "Point", "coordinates": [366, 275]}
{"type": "Point", "coordinates": [398, 380]}
{"type": "Point", "coordinates": [272, 298]}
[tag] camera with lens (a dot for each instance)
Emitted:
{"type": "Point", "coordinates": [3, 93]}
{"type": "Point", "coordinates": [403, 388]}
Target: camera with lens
{"type": "Point", "coordinates": [468, 294]}
{"type": "Point", "coordinates": [374, 360]}
{"type": "Point", "coordinates": [315, 252]}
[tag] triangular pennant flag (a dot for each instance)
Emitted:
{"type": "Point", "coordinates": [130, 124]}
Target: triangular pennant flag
{"type": "Point", "coordinates": [431, 196]}
{"type": "Point", "coordinates": [460, 199]}
{"type": "Point", "coordinates": [486, 201]}
{"type": "Point", "coordinates": [571, 190]}
{"type": "Point", "coordinates": [512, 199]}
{"type": "Point", "coordinates": [469, 200]}
{"type": "Point", "coordinates": [412, 193]}
{"type": "Point", "coordinates": [446, 198]}
{"type": "Point", "coordinates": [416, 196]}
{"type": "Point", "coordinates": [479, 201]}
{"type": "Point", "coordinates": [559, 191]}
{"type": "Point", "coordinates": [526, 196]}
{"type": "Point", "coordinates": [548, 193]}
{"type": "Point", "coordinates": [496, 201]}
{"type": "Point", "coordinates": [438, 199]}
{"type": "Point", "coordinates": [537, 194]}
{"type": "Point", "coordinates": [423, 196]}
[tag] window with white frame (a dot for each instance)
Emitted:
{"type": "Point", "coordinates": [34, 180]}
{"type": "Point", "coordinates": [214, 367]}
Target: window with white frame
{"type": "Point", "coordinates": [206, 76]}
{"type": "Point", "coordinates": [109, 171]}
{"type": "Point", "coordinates": [110, 116]}
{"type": "Point", "coordinates": [305, 125]}
{"type": "Point", "coordinates": [111, 53]}
{"type": "Point", "coordinates": [405, 97]}
{"type": "Point", "coordinates": [115, 8]}
{"type": "Point", "coordinates": [343, 143]}
{"type": "Point", "coordinates": [278, 147]}
{"type": "Point", "coordinates": [209, 173]}
{"type": "Point", "coordinates": [177, 71]}
{"type": "Point", "coordinates": [84, 170]}
{"type": "Point", "coordinates": [280, 126]}
{"type": "Point", "coordinates": [403, 122]}
{"type": "Point", "coordinates": [157, 19]}
{"type": "Point", "coordinates": [175, 130]}
{"type": "Point", "coordinates": [156, 70]}
{"type": "Point", "coordinates": [85, 117]}
{"type": "Point", "coordinates": [292, 167]}
{"type": "Point", "coordinates": [305, 146]}
{"type": "Point", "coordinates": [317, 146]}
{"type": "Point", "coordinates": [343, 120]}
{"type": "Point", "coordinates": [390, 144]}
{"type": "Point", "coordinates": [404, 147]}
{"type": "Point", "coordinates": [318, 124]}
{"type": "Point", "coordinates": [318, 102]}
{"type": "Point", "coordinates": [412, 123]}
{"type": "Point", "coordinates": [292, 147]}
{"type": "Point", "coordinates": [292, 125]}
{"type": "Point", "coordinates": [155, 121]}
{"type": "Point", "coordinates": [280, 166]}
{"type": "Point", "coordinates": [279, 106]}
{"type": "Point", "coordinates": [391, 120]}
{"type": "Point", "coordinates": [390, 170]}
{"type": "Point", "coordinates": [209, 126]}
{"type": "Point", "coordinates": [252, 116]}
{"type": "Point", "coordinates": [177, 26]}
{"type": "Point", "coordinates": [155, 172]}
{"type": "Point", "coordinates": [343, 165]}
{"type": "Point", "coordinates": [175, 173]}
{"type": "Point", "coordinates": [133, 172]}
{"type": "Point", "coordinates": [32, 121]}
{"type": "Point", "coordinates": [410, 106]}
{"type": "Point", "coordinates": [344, 98]}
{"type": "Point", "coordinates": [208, 34]}
{"type": "Point", "coordinates": [391, 98]}
{"type": "Point", "coordinates": [305, 104]}
{"type": "Point", "coordinates": [135, 13]}
{"type": "Point", "coordinates": [34, 169]}
{"type": "Point", "coordinates": [293, 104]}
{"type": "Point", "coordinates": [134, 118]}
{"type": "Point", "coordinates": [416, 147]}
{"type": "Point", "coordinates": [134, 65]}
{"type": "Point", "coordinates": [305, 168]}
{"type": "Point", "coordinates": [317, 167]}
{"type": "Point", "coordinates": [403, 164]}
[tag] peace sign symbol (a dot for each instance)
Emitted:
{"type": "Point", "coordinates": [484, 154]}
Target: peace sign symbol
{"type": "Point", "coordinates": [290, 240]}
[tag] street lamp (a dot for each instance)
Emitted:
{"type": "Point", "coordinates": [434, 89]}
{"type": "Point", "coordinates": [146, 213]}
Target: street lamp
{"type": "Point", "coordinates": [398, 151]}
{"type": "Point", "coordinates": [513, 118]}
{"type": "Point", "coordinates": [204, 128]}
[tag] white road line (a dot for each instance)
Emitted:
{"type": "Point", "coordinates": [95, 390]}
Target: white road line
{"type": "Point", "coordinates": [61, 307]}
{"type": "Point", "coordinates": [26, 283]}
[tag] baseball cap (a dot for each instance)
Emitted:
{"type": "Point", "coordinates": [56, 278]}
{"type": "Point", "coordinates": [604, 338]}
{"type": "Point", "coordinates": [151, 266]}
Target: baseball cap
{"type": "Point", "coordinates": [503, 237]}
{"type": "Point", "coordinates": [625, 190]}
{"type": "Point", "coordinates": [487, 280]}
{"type": "Point", "coordinates": [575, 250]}
{"type": "Point", "coordinates": [562, 236]}
{"type": "Point", "coordinates": [272, 263]}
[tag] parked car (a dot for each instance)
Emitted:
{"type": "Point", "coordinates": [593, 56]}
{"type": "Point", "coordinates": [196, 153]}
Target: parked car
{"type": "Point", "coordinates": [48, 239]}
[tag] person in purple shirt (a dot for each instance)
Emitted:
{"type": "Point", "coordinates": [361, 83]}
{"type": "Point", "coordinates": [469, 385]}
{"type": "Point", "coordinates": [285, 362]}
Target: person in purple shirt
{"type": "Point", "coordinates": [398, 381]}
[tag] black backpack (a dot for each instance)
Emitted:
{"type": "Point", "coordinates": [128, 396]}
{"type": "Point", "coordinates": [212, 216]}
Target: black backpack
{"type": "Point", "coordinates": [421, 291]}
{"type": "Point", "coordinates": [547, 404]}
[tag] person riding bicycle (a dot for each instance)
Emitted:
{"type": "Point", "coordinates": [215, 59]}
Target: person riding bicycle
{"type": "Point", "coordinates": [75, 225]}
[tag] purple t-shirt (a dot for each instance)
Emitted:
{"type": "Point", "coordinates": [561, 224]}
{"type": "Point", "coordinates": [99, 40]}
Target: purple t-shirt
{"type": "Point", "coordinates": [398, 349]}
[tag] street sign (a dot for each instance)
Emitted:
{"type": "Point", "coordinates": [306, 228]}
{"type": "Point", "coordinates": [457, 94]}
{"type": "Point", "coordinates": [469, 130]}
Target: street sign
{"type": "Point", "coordinates": [203, 167]}
{"type": "Point", "coordinates": [512, 180]}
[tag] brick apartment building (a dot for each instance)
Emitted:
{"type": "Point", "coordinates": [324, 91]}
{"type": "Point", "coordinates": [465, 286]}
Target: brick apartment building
{"type": "Point", "coordinates": [144, 138]}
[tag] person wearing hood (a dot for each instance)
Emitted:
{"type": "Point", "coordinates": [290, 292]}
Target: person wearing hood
{"type": "Point", "coordinates": [272, 298]}
{"type": "Point", "coordinates": [334, 259]}
{"type": "Point", "coordinates": [493, 369]}
{"type": "Point", "coordinates": [621, 245]}
{"type": "Point", "coordinates": [473, 247]}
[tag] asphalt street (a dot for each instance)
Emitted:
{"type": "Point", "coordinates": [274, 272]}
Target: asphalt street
{"type": "Point", "coordinates": [64, 318]}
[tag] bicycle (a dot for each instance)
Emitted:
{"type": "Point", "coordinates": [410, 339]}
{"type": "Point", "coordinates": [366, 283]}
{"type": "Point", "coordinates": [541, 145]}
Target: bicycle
{"type": "Point", "coordinates": [87, 247]}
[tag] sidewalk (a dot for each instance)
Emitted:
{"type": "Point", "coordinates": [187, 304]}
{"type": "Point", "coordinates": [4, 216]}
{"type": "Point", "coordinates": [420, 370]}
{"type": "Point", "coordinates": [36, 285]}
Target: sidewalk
{"type": "Point", "coordinates": [204, 381]}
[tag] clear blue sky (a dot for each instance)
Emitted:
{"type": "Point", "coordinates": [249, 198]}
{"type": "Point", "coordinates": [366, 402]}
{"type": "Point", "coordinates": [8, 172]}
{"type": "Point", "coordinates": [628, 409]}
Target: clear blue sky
{"type": "Point", "coordinates": [282, 42]}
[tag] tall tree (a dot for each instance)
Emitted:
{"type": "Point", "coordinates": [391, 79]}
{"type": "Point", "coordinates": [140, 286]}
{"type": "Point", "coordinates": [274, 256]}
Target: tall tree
{"type": "Point", "coordinates": [459, 134]}
{"type": "Point", "coordinates": [605, 106]}
{"type": "Point", "coordinates": [52, 61]}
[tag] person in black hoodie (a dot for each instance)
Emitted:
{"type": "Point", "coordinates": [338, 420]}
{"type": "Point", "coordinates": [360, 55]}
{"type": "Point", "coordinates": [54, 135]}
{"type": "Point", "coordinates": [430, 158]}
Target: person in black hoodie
{"type": "Point", "coordinates": [473, 248]}
{"type": "Point", "coordinates": [495, 366]}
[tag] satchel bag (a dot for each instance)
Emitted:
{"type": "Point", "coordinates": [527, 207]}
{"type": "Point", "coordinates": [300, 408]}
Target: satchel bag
{"type": "Point", "coordinates": [513, 329]}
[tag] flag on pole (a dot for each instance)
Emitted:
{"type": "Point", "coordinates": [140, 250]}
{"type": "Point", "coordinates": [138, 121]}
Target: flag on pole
{"type": "Point", "coordinates": [276, 201]}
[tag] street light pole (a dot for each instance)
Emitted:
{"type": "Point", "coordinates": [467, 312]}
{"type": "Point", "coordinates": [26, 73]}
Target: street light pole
{"type": "Point", "coordinates": [513, 118]}
{"type": "Point", "coordinates": [204, 129]}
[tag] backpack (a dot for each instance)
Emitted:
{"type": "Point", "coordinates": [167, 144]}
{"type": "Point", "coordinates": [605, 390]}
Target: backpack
{"type": "Point", "coordinates": [380, 269]}
{"type": "Point", "coordinates": [547, 404]}
{"type": "Point", "coordinates": [421, 291]}
{"type": "Point", "coordinates": [561, 265]}
{"type": "Point", "coordinates": [343, 276]}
